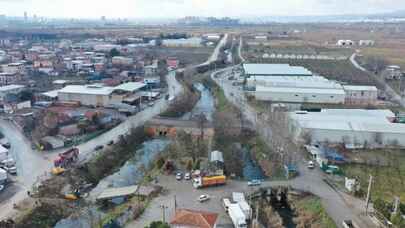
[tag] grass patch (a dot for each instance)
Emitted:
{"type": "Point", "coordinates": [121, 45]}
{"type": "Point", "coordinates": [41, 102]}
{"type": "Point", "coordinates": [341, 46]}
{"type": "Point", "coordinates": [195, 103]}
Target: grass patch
{"type": "Point", "coordinates": [311, 208]}
{"type": "Point", "coordinates": [387, 168]}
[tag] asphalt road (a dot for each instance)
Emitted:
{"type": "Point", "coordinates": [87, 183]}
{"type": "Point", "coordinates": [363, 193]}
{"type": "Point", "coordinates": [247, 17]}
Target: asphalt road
{"type": "Point", "coordinates": [391, 92]}
{"type": "Point", "coordinates": [339, 205]}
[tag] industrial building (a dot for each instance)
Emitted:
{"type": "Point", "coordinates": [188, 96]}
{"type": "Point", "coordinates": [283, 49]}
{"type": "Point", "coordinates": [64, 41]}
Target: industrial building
{"type": "Point", "coordinates": [315, 89]}
{"type": "Point", "coordinates": [98, 95]}
{"type": "Point", "coordinates": [255, 69]}
{"type": "Point", "coordinates": [293, 84]}
{"type": "Point", "coordinates": [356, 128]}
{"type": "Point", "coordinates": [361, 95]}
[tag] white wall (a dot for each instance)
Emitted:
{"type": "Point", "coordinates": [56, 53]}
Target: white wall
{"type": "Point", "coordinates": [300, 97]}
{"type": "Point", "coordinates": [85, 99]}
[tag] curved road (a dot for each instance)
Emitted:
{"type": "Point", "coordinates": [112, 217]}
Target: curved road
{"type": "Point", "coordinates": [391, 92]}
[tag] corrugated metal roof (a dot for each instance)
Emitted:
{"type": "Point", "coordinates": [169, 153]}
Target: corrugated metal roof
{"type": "Point", "coordinates": [10, 87]}
{"type": "Point", "coordinates": [87, 89]}
{"type": "Point", "coordinates": [110, 193]}
{"type": "Point", "coordinates": [130, 86]}
{"type": "Point", "coordinates": [275, 69]}
{"type": "Point", "coordinates": [350, 120]}
{"type": "Point", "coordinates": [360, 88]}
{"type": "Point", "coordinates": [216, 156]}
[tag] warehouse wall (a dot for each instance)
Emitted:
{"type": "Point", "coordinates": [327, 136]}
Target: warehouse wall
{"type": "Point", "coordinates": [300, 97]}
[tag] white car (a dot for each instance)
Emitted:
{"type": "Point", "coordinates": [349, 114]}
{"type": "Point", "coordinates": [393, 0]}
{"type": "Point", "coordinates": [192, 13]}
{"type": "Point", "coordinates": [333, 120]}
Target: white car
{"type": "Point", "coordinates": [179, 176]}
{"type": "Point", "coordinates": [311, 165]}
{"type": "Point", "coordinates": [254, 182]}
{"type": "Point", "coordinates": [11, 169]}
{"type": "Point", "coordinates": [187, 176]}
{"type": "Point", "coordinates": [203, 198]}
{"type": "Point", "coordinates": [1, 188]}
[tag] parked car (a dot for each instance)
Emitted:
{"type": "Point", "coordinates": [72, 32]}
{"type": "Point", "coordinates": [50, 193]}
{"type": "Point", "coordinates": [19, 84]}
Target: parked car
{"type": "Point", "coordinates": [254, 182]}
{"type": "Point", "coordinates": [179, 176]}
{"type": "Point", "coordinates": [99, 147]}
{"type": "Point", "coordinates": [10, 169]}
{"type": "Point", "coordinates": [203, 198]}
{"type": "Point", "coordinates": [311, 165]}
{"type": "Point", "coordinates": [150, 104]}
{"type": "Point", "coordinates": [1, 188]}
{"type": "Point", "coordinates": [6, 145]}
{"type": "Point", "coordinates": [187, 176]}
{"type": "Point", "coordinates": [111, 142]}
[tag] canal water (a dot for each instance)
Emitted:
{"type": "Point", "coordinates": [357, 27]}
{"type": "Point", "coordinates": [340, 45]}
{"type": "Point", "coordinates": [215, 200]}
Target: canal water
{"type": "Point", "coordinates": [205, 105]}
{"type": "Point", "coordinates": [130, 173]}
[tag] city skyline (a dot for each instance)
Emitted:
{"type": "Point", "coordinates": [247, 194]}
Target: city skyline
{"type": "Point", "coordinates": [180, 8]}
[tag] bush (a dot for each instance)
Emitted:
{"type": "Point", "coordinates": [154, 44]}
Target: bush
{"type": "Point", "coordinates": [158, 224]}
{"type": "Point", "coordinates": [160, 162]}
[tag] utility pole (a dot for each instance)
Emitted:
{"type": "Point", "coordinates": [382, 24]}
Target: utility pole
{"type": "Point", "coordinates": [163, 207]}
{"type": "Point", "coordinates": [369, 192]}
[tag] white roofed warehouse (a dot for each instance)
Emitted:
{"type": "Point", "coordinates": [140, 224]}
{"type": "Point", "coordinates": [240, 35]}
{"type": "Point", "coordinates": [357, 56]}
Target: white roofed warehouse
{"type": "Point", "coordinates": [99, 95]}
{"type": "Point", "coordinates": [356, 128]}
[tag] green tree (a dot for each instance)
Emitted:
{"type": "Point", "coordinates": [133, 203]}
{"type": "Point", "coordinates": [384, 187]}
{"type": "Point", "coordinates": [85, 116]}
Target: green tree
{"type": "Point", "coordinates": [158, 224]}
{"type": "Point", "coordinates": [114, 52]}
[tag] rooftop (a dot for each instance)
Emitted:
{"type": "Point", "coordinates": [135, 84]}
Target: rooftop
{"type": "Point", "coordinates": [130, 86]}
{"type": "Point", "coordinates": [349, 120]}
{"type": "Point", "coordinates": [195, 218]}
{"type": "Point", "coordinates": [275, 70]}
{"type": "Point", "coordinates": [10, 87]}
{"type": "Point", "coordinates": [87, 89]}
{"type": "Point", "coordinates": [360, 88]}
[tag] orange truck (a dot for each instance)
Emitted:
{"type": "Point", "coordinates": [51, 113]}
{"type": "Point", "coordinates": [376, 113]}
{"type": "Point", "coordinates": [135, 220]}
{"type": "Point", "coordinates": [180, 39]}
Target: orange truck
{"type": "Point", "coordinates": [202, 182]}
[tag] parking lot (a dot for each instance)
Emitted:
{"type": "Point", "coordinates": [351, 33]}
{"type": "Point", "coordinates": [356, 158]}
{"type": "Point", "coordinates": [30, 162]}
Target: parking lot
{"type": "Point", "coordinates": [187, 197]}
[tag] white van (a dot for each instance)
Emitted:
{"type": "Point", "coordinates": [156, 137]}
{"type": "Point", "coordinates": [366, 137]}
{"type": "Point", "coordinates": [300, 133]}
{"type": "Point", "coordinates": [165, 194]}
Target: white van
{"type": "Point", "coordinates": [225, 203]}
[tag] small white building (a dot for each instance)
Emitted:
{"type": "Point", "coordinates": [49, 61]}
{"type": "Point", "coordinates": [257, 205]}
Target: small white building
{"type": "Point", "coordinates": [366, 42]}
{"type": "Point", "coordinates": [355, 128]}
{"type": "Point", "coordinates": [361, 95]}
{"type": "Point", "coordinates": [345, 43]}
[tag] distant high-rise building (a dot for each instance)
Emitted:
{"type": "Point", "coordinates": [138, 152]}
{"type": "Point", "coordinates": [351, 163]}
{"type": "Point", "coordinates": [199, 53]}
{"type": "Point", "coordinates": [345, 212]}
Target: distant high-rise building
{"type": "Point", "coordinates": [103, 18]}
{"type": "Point", "coordinates": [25, 16]}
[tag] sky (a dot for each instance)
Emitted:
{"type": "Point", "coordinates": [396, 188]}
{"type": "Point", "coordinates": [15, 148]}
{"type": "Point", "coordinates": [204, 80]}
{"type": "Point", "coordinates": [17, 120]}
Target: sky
{"type": "Point", "coordinates": [181, 8]}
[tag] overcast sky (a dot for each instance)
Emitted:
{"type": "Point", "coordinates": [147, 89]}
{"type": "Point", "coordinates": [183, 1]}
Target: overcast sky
{"type": "Point", "coordinates": [181, 8]}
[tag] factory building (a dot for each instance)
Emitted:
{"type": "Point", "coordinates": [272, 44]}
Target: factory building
{"type": "Point", "coordinates": [98, 95]}
{"type": "Point", "coordinates": [255, 69]}
{"type": "Point", "coordinates": [356, 128]}
{"type": "Point", "coordinates": [361, 95]}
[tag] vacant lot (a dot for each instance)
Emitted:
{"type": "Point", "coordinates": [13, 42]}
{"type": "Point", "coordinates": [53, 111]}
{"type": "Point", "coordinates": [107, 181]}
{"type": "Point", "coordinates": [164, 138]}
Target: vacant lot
{"type": "Point", "coordinates": [389, 176]}
{"type": "Point", "coordinates": [186, 56]}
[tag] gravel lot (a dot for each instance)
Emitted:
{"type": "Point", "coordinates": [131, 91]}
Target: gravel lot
{"type": "Point", "coordinates": [186, 197]}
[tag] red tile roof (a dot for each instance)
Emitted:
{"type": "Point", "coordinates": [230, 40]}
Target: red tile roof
{"type": "Point", "coordinates": [199, 219]}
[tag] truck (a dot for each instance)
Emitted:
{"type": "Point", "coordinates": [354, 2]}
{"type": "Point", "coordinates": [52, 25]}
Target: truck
{"type": "Point", "coordinates": [246, 209]}
{"type": "Point", "coordinates": [237, 216]}
{"type": "Point", "coordinates": [3, 176]}
{"type": "Point", "coordinates": [66, 158]}
{"type": "Point", "coordinates": [201, 182]}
